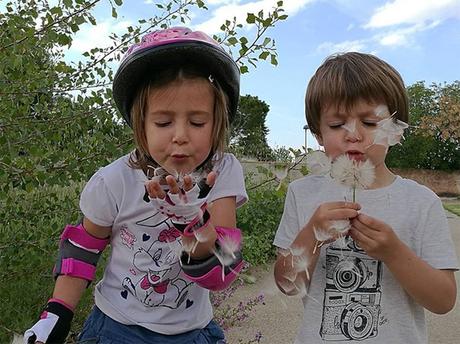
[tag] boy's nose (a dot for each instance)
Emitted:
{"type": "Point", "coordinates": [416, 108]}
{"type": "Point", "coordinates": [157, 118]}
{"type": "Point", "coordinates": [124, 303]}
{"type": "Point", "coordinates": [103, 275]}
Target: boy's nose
{"type": "Point", "coordinates": [353, 136]}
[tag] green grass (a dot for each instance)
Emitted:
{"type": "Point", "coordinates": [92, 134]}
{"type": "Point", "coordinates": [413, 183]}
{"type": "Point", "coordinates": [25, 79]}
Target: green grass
{"type": "Point", "coordinates": [453, 208]}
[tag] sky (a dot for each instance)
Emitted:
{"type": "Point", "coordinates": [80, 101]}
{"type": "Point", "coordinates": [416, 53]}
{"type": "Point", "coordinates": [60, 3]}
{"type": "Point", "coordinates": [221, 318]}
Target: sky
{"type": "Point", "coordinates": [420, 38]}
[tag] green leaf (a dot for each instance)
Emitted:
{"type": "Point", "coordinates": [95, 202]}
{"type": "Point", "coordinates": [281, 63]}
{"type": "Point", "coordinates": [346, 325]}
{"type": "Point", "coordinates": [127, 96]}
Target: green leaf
{"type": "Point", "coordinates": [244, 69]}
{"type": "Point", "coordinates": [263, 55]}
{"type": "Point", "coordinates": [119, 2]}
{"type": "Point", "coordinates": [114, 13]}
{"type": "Point", "coordinates": [251, 18]}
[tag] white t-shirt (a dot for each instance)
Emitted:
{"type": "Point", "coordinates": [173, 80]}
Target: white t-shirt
{"type": "Point", "coordinates": [143, 283]}
{"type": "Point", "coordinates": [352, 297]}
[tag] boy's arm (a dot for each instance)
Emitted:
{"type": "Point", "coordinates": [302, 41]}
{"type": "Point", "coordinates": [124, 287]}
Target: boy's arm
{"type": "Point", "coordinates": [432, 288]}
{"type": "Point", "coordinates": [290, 274]}
{"type": "Point", "coordinates": [288, 279]}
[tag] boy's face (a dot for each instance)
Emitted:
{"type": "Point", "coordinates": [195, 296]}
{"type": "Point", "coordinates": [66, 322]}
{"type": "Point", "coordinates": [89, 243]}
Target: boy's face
{"type": "Point", "coordinates": [352, 132]}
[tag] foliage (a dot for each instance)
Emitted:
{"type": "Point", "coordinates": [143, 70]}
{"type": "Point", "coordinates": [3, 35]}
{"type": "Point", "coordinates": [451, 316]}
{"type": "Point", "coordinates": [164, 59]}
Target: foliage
{"type": "Point", "coordinates": [259, 219]}
{"type": "Point", "coordinates": [57, 118]}
{"type": "Point", "coordinates": [249, 132]}
{"type": "Point", "coordinates": [433, 140]}
{"type": "Point", "coordinates": [33, 222]}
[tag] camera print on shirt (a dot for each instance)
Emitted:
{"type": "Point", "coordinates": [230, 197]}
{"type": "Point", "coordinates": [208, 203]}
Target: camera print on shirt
{"type": "Point", "coordinates": [155, 277]}
{"type": "Point", "coordinates": [352, 296]}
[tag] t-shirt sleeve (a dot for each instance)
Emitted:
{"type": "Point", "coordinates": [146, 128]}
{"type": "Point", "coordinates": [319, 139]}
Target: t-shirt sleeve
{"type": "Point", "coordinates": [437, 247]}
{"type": "Point", "coordinates": [289, 225]}
{"type": "Point", "coordinates": [97, 203]}
{"type": "Point", "coordinates": [229, 181]}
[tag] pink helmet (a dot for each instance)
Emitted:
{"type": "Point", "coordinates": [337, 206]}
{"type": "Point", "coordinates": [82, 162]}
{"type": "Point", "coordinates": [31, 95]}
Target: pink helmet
{"type": "Point", "coordinates": [171, 47]}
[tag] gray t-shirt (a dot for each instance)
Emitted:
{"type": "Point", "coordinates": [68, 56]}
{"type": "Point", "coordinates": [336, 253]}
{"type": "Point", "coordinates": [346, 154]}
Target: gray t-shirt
{"type": "Point", "coordinates": [143, 283]}
{"type": "Point", "coordinates": [353, 297]}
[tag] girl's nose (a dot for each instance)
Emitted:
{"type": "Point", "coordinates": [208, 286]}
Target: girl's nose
{"type": "Point", "coordinates": [180, 134]}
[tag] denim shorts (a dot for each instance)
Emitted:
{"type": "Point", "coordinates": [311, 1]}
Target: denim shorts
{"type": "Point", "coordinates": [101, 329]}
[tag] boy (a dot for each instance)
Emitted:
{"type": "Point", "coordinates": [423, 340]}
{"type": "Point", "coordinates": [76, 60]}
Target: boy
{"type": "Point", "coordinates": [398, 257]}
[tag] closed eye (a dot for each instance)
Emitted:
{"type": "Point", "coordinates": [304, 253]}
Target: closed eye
{"type": "Point", "coordinates": [198, 124]}
{"type": "Point", "coordinates": [162, 124]}
{"type": "Point", "coordinates": [335, 125]}
{"type": "Point", "coordinates": [370, 123]}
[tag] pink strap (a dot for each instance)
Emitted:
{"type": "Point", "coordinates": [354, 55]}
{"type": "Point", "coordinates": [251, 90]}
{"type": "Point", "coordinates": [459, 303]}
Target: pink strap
{"type": "Point", "coordinates": [190, 229]}
{"type": "Point", "coordinates": [76, 268]}
{"type": "Point", "coordinates": [213, 279]}
{"type": "Point", "coordinates": [80, 236]}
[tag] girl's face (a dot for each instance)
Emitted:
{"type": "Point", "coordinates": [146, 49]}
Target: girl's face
{"type": "Point", "coordinates": [178, 124]}
{"type": "Point", "coordinates": [352, 132]}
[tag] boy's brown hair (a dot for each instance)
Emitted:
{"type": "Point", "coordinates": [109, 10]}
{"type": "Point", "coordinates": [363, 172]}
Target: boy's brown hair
{"type": "Point", "coordinates": [141, 158]}
{"type": "Point", "coordinates": [344, 79]}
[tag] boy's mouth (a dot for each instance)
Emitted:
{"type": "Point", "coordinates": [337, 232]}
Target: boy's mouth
{"type": "Point", "coordinates": [356, 155]}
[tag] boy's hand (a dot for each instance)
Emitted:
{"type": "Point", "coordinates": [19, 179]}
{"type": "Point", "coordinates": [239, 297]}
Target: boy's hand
{"type": "Point", "coordinates": [375, 237]}
{"type": "Point", "coordinates": [326, 213]}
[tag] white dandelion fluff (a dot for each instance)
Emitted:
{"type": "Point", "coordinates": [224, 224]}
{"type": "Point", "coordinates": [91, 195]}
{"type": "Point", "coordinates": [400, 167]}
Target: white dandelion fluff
{"type": "Point", "coordinates": [339, 226]}
{"type": "Point", "coordinates": [318, 163]}
{"type": "Point", "coordinates": [355, 174]}
{"type": "Point", "coordinates": [351, 127]}
{"type": "Point", "coordinates": [382, 111]}
{"type": "Point", "coordinates": [389, 131]}
{"type": "Point", "coordinates": [322, 234]}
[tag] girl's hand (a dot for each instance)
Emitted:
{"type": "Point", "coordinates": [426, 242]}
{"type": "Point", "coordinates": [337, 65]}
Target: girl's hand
{"type": "Point", "coordinates": [375, 237]}
{"type": "Point", "coordinates": [184, 204]}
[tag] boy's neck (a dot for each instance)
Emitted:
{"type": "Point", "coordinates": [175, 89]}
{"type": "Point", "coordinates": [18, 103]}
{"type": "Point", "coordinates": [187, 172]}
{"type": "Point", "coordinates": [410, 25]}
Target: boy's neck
{"type": "Point", "coordinates": [383, 177]}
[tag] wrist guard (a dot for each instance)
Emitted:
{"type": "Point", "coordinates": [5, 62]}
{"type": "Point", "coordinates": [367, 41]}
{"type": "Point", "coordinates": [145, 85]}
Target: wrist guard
{"type": "Point", "coordinates": [53, 325]}
{"type": "Point", "coordinates": [219, 270]}
{"type": "Point", "coordinates": [200, 222]}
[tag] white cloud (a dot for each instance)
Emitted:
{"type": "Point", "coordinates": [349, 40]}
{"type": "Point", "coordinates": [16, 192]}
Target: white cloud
{"type": "Point", "coordinates": [236, 9]}
{"type": "Point", "coordinates": [342, 47]}
{"type": "Point", "coordinates": [402, 37]}
{"type": "Point", "coordinates": [414, 12]}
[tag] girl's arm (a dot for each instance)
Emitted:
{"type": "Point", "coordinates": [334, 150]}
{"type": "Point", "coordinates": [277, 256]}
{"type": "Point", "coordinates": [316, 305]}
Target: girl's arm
{"type": "Point", "coordinates": [223, 214]}
{"type": "Point", "coordinates": [70, 289]}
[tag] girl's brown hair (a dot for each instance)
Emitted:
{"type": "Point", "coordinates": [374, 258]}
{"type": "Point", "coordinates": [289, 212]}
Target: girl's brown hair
{"type": "Point", "coordinates": [141, 159]}
{"type": "Point", "coordinates": [344, 79]}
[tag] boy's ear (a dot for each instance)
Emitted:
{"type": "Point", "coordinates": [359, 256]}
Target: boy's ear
{"type": "Point", "coordinates": [319, 139]}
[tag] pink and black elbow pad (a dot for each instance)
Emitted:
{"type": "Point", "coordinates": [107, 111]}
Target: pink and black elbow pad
{"type": "Point", "coordinates": [211, 273]}
{"type": "Point", "coordinates": [79, 253]}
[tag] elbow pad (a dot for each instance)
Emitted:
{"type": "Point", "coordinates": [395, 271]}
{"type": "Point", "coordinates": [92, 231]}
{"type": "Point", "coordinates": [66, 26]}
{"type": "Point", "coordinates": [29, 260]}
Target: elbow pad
{"type": "Point", "coordinates": [79, 253]}
{"type": "Point", "coordinates": [219, 270]}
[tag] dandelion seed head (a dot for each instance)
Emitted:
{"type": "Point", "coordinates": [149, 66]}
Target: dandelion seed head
{"type": "Point", "coordinates": [318, 163]}
{"type": "Point", "coordinates": [356, 174]}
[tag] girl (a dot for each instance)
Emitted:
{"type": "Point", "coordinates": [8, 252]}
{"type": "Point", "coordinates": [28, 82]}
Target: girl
{"type": "Point", "coordinates": [168, 209]}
